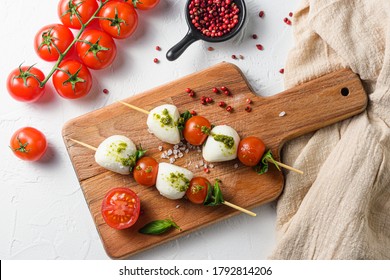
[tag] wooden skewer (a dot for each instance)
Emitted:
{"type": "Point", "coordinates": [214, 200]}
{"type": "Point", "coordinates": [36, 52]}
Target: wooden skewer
{"type": "Point", "coordinates": [289, 167]}
{"type": "Point", "coordinates": [250, 213]}
{"type": "Point", "coordinates": [225, 202]}
{"type": "Point", "coordinates": [84, 144]}
{"type": "Point", "coordinates": [134, 107]}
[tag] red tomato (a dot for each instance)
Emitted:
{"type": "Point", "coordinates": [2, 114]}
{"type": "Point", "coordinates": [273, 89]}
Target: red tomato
{"type": "Point", "coordinates": [197, 191]}
{"type": "Point", "coordinates": [71, 12]}
{"type": "Point", "coordinates": [250, 150]}
{"type": "Point", "coordinates": [145, 171]}
{"type": "Point", "coordinates": [96, 49]}
{"type": "Point", "coordinates": [28, 144]}
{"type": "Point", "coordinates": [51, 39]}
{"type": "Point", "coordinates": [145, 4]}
{"type": "Point", "coordinates": [23, 84]}
{"type": "Point", "coordinates": [193, 130]}
{"type": "Point", "coordinates": [72, 80]}
{"type": "Point", "coordinates": [118, 19]}
{"type": "Point", "coordinates": [120, 208]}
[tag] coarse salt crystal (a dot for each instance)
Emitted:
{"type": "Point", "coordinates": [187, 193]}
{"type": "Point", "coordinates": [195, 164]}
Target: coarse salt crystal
{"type": "Point", "coordinates": [182, 148]}
{"type": "Point", "coordinates": [205, 165]}
{"type": "Point", "coordinates": [171, 160]}
{"type": "Point", "coordinates": [196, 166]}
{"type": "Point", "coordinates": [175, 152]}
{"type": "Point", "coordinates": [180, 155]}
{"type": "Point", "coordinates": [211, 165]}
{"type": "Point", "coordinates": [199, 150]}
{"type": "Point", "coordinates": [201, 163]}
{"type": "Point", "coordinates": [160, 148]}
{"type": "Point", "coordinates": [177, 206]}
{"type": "Point", "coordinates": [236, 165]}
{"type": "Point", "coordinates": [175, 156]}
{"type": "Point", "coordinates": [186, 151]}
{"type": "Point", "coordinates": [282, 114]}
{"type": "Point", "coordinates": [176, 147]}
{"type": "Point", "coordinates": [169, 152]}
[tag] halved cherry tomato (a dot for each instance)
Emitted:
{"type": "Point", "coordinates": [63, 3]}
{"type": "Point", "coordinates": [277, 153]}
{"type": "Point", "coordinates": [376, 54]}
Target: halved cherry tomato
{"type": "Point", "coordinates": [72, 80]}
{"type": "Point", "coordinates": [120, 208]}
{"type": "Point", "coordinates": [96, 49]}
{"type": "Point", "coordinates": [144, 4]}
{"type": "Point", "coordinates": [28, 143]}
{"type": "Point", "coordinates": [118, 19]}
{"type": "Point", "coordinates": [71, 12]}
{"type": "Point", "coordinates": [23, 84]}
{"type": "Point", "coordinates": [52, 38]}
{"type": "Point", "coordinates": [197, 191]}
{"type": "Point", "coordinates": [145, 171]}
{"type": "Point", "coordinates": [250, 150]}
{"type": "Point", "coordinates": [194, 130]}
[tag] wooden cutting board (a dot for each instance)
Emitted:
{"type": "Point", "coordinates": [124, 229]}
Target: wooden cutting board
{"type": "Point", "coordinates": [307, 107]}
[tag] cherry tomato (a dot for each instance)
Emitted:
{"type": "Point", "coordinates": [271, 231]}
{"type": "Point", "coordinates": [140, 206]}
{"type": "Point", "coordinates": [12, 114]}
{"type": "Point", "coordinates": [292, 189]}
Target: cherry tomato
{"type": "Point", "coordinates": [145, 171]}
{"type": "Point", "coordinates": [96, 49]}
{"type": "Point", "coordinates": [23, 84]}
{"type": "Point", "coordinates": [51, 39]}
{"type": "Point", "coordinates": [120, 208]}
{"type": "Point", "coordinates": [72, 80]}
{"type": "Point", "coordinates": [145, 4]}
{"type": "Point", "coordinates": [71, 12]}
{"type": "Point", "coordinates": [28, 143]}
{"type": "Point", "coordinates": [250, 150]}
{"type": "Point", "coordinates": [193, 130]}
{"type": "Point", "coordinates": [197, 191]}
{"type": "Point", "coordinates": [118, 19]}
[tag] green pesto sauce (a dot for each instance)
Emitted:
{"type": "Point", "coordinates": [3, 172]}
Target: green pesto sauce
{"type": "Point", "coordinates": [178, 181]}
{"type": "Point", "coordinates": [121, 147]}
{"type": "Point", "coordinates": [165, 119]}
{"type": "Point", "coordinates": [115, 151]}
{"type": "Point", "coordinates": [228, 141]}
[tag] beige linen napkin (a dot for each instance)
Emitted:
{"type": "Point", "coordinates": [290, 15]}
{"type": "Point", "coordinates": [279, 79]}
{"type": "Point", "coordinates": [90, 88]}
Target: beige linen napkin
{"type": "Point", "coordinates": [340, 208]}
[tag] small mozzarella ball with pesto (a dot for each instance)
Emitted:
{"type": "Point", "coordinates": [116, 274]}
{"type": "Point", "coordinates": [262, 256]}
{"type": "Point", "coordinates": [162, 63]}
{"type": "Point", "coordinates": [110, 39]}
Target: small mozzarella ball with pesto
{"type": "Point", "coordinates": [221, 145]}
{"type": "Point", "coordinates": [115, 153]}
{"type": "Point", "coordinates": [172, 180]}
{"type": "Point", "coordinates": [162, 122]}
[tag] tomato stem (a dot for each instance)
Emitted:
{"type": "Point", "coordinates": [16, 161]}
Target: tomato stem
{"type": "Point", "coordinates": [63, 54]}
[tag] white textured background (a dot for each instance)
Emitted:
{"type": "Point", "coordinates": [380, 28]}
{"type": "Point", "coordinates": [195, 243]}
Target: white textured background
{"type": "Point", "coordinates": [43, 211]}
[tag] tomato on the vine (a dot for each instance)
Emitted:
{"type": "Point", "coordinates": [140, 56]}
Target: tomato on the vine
{"type": "Point", "coordinates": [51, 40]}
{"type": "Point", "coordinates": [120, 208]}
{"type": "Point", "coordinates": [197, 191]}
{"type": "Point", "coordinates": [24, 83]}
{"type": "Point", "coordinates": [96, 49]}
{"type": "Point", "coordinates": [144, 4]}
{"type": "Point", "coordinates": [145, 171]}
{"type": "Point", "coordinates": [118, 19]}
{"type": "Point", "coordinates": [196, 129]}
{"type": "Point", "coordinates": [250, 150]}
{"type": "Point", "coordinates": [72, 80]}
{"type": "Point", "coordinates": [74, 12]}
{"type": "Point", "coordinates": [28, 143]}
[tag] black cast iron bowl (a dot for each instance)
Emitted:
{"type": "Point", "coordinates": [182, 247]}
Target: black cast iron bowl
{"type": "Point", "coordinates": [194, 34]}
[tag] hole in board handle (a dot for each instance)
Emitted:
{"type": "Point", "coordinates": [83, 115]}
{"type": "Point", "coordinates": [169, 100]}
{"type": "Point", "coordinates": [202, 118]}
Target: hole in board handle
{"type": "Point", "coordinates": [344, 91]}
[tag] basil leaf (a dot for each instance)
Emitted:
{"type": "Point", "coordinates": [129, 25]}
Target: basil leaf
{"type": "Point", "coordinates": [134, 158]}
{"type": "Point", "coordinates": [209, 196]}
{"type": "Point", "coordinates": [158, 227]}
{"type": "Point", "coordinates": [214, 196]}
{"type": "Point", "coordinates": [262, 166]}
{"type": "Point", "coordinates": [183, 119]}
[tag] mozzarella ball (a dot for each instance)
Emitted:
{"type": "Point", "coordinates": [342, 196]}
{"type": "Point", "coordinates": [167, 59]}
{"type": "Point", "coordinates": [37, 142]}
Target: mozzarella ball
{"type": "Point", "coordinates": [115, 153]}
{"type": "Point", "coordinates": [221, 145]}
{"type": "Point", "coordinates": [162, 122]}
{"type": "Point", "coordinates": [172, 180]}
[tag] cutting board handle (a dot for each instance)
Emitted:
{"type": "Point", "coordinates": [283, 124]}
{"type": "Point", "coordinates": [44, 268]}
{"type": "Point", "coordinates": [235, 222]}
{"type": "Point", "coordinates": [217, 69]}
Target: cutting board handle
{"type": "Point", "coordinates": [316, 104]}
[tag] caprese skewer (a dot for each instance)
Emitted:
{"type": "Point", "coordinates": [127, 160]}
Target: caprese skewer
{"type": "Point", "coordinates": [171, 181]}
{"type": "Point", "coordinates": [221, 143]}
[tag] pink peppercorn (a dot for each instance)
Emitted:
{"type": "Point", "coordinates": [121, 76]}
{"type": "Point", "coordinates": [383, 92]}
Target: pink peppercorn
{"type": "Point", "coordinates": [105, 91]}
{"type": "Point", "coordinates": [215, 90]}
{"type": "Point", "coordinates": [229, 109]}
{"type": "Point", "coordinates": [248, 108]}
{"type": "Point", "coordinates": [158, 48]}
{"type": "Point", "coordinates": [281, 71]}
{"type": "Point", "coordinates": [259, 47]}
{"type": "Point", "coordinates": [156, 60]}
{"type": "Point", "coordinates": [222, 104]}
{"type": "Point", "coordinates": [261, 14]}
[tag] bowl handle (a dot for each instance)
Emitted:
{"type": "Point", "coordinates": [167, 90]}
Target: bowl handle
{"type": "Point", "coordinates": [178, 49]}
